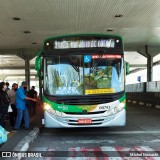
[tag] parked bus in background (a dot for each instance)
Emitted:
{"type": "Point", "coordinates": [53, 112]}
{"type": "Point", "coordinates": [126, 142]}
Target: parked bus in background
{"type": "Point", "coordinates": [82, 81]}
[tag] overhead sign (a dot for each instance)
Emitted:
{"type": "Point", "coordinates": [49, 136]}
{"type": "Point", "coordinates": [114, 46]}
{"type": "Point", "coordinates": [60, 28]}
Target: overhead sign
{"type": "Point", "coordinates": [107, 56]}
{"type": "Point", "coordinates": [108, 43]}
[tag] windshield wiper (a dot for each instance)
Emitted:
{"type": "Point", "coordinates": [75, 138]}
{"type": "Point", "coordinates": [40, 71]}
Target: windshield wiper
{"type": "Point", "coordinates": [72, 64]}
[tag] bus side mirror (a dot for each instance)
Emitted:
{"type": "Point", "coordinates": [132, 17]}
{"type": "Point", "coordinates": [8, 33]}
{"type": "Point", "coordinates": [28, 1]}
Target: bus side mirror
{"type": "Point", "coordinates": [127, 68]}
{"type": "Point", "coordinates": [38, 63]}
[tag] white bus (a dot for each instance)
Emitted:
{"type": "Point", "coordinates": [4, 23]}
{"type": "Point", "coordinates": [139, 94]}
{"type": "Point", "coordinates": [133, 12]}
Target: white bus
{"type": "Point", "coordinates": [82, 81]}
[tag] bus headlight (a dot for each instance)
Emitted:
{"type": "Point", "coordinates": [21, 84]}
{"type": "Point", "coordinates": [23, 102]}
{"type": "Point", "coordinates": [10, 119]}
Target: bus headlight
{"type": "Point", "coordinates": [52, 111]}
{"type": "Point", "coordinates": [110, 112]}
{"type": "Point", "coordinates": [47, 106]}
{"type": "Point", "coordinates": [116, 109]}
{"type": "Point", "coordinates": [58, 113]}
{"type": "Point", "coordinates": [49, 109]}
{"type": "Point", "coordinates": [119, 107]}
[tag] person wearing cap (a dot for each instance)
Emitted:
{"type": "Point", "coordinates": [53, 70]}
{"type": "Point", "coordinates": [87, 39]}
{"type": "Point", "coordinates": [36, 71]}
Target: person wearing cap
{"type": "Point", "coordinates": [22, 111]}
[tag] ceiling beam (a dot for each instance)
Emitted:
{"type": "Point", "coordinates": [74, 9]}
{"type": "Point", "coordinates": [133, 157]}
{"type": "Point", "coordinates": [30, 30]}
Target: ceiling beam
{"type": "Point", "coordinates": [17, 51]}
{"type": "Point", "coordinates": [9, 51]}
{"type": "Point", "coordinates": [136, 70]}
{"type": "Point", "coordinates": [152, 50]}
{"type": "Point", "coordinates": [137, 65]}
{"type": "Point", "coordinates": [18, 79]}
{"type": "Point", "coordinates": [15, 67]}
{"type": "Point", "coordinates": [20, 52]}
{"type": "Point", "coordinates": [15, 75]}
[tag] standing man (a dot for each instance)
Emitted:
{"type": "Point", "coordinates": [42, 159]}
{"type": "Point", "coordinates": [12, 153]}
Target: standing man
{"type": "Point", "coordinates": [21, 106]}
{"type": "Point", "coordinates": [12, 96]}
{"type": "Point", "coordinates": [31, 104]}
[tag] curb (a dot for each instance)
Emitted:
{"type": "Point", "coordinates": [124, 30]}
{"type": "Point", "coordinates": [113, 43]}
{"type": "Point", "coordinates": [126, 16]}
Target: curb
{"type": "Point", "coordinates": [144, 104]}
{"type": "Point", "coordinates": [24, 144]}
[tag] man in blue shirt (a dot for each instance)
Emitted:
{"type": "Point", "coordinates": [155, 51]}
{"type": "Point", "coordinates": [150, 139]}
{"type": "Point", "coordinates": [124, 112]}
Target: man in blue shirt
{"type": "Point", "coordinates": [21, 106]}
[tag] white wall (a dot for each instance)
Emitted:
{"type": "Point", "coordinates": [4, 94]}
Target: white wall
{"type": "Point", "coordinates": [132, 78]}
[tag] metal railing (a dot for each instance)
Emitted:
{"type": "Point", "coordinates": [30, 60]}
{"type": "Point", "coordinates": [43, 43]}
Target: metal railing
{"type": "Point", "coordinates": [147, 93]}
{"type": "Point", "coordinates": [144, 87]}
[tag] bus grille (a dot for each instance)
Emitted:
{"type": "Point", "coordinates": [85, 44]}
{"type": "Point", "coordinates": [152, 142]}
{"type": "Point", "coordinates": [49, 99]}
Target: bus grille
{"type": "Point", "coordinates": [85, 100]}
{"type": "Point", "coordinates": [81, 113]}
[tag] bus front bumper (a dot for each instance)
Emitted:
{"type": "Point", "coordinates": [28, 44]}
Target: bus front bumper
{"type": "Point", "coordinates": [99, 120]}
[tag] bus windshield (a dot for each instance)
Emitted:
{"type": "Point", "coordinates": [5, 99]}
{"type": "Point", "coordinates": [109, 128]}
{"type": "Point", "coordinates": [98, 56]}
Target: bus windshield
{"type": "Point", "coordinates": [84, 74]}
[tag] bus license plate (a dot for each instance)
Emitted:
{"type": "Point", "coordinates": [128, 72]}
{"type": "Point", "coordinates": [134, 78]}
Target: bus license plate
{"type": "Point", "coordinates": [84, 121]}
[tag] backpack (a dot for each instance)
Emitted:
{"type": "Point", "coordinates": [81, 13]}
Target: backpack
{"type": "Point", "coordinates": [4, 99]}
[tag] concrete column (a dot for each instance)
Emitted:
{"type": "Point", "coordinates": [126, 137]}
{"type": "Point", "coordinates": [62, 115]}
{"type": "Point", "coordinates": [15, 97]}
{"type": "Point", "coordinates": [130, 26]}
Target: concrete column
{"type": "Point", "coordinates": [149, 66]}
{"type": "Point", "coordinates": [27, 72]}
{"type": "Point", "coordinates": [26, 55]}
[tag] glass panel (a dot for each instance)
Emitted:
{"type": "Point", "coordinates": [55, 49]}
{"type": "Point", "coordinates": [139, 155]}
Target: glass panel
{"type": "Point", "coordinates": [103, 74]}
{"type": "Point", "coordinates": [64, 75]}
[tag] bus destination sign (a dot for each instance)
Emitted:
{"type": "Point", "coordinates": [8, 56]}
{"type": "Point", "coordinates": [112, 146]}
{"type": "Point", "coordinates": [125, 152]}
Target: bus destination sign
{"type": "Point", "coordinates": [107, 43]}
